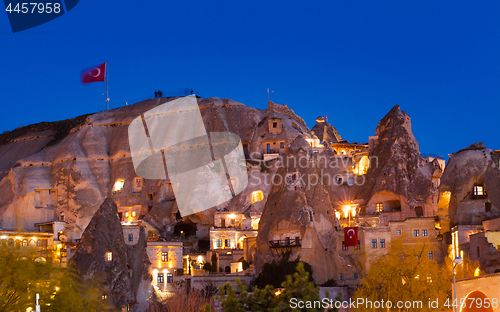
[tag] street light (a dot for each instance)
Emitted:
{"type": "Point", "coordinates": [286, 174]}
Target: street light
{"type": "Point", "coordinates": [457, 261]}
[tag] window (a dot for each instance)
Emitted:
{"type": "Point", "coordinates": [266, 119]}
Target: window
{"type": "Point", "coordinates": [374, 243]}
{"type": "Point", "coordinates": [104, 297]}
{"type": "Point", "coordinates": [357, 246]}
{"type": "Point", "coordinates": [61, 217]}
{"type": "Point", "coordinates": [339, 180]}
{"type": "Point", "coordinates": [477, 250]}
{"type": "Point", "coordinates": [109, 256]}
{"type": "Point", "coordinates": [416, 233]}
{"type": "Point", "coordinates": [227, 243]}
{"type": "Point", "coordinates": [398, 232]}
{"type": "Point", "coordinates": [379, 207]}
{"type": "Point", "coordinates": [39, 243]}
{"type": "Point", "coordinates": [118, 186]}
{"type": "Point", "coordinates": [164, 256]}
{"type": "Point", "coordinates": [127, 214]}
{"type": "Point", "coordinates": [282, 145]}
{"type": "Point", "coordinates": [269, 148]}
{"type": "Point", "coordinates": [11, 242]}
{"type": "Point", "coordinates": [287, 241]}
{"type": "Point", "coordinates": [350, 181]}
{"type": "Point", "coordinates": [275, 125]}
{"type": "Point", "coordinates": [341, 276]}
{"type": "Point", "coordinates": [478, 190]}
{"type": "Point", "coordinates": [138, 182]}
{"type": "Point", "coordinates": [424, 232]}
{"type": "Point", "coordinates": [382, 243]}
{"type": "Point", "coordinates": [343, 246]}
{"type": "Point", "coordinates": [160, 278]}
{"type": "Point", "coordinates": [25, 243]}
{"type": "Point", "coordinates": [487, 207]}
{"type": "Point", "coordinates": [134, 213]}
{"type": "Point", "coordinates": [219, 242]}
{"type": "Point", "coordinates": [257, 196]}
{"type": "Point", "coordinates": [429, 255]}
{"type": "Point", "coordinates": [354, 275]}
{"type": "Point", "coordinates": [170, 278]}
{"type": "Point", "coordinates": [131, 237]}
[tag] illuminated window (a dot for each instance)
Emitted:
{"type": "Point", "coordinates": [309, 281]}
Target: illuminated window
{"type": "Point", "coordinates": [429, 255]}
{"type": "Point", "coordinates": [39, 243]}
{"type": "Point", "coordinates": [227, 243]}
{"type": "Point", "coordinates": [257, 196]}
{"type": "Point", "coordinates": [104, 297]}
{"type": "Point", "coordinates": [363, 165]}
{"type": "Point", "coordinates": [164, 256]}
{"type": "Point", "coordinates": [170, 278]}
{"type": "Point", "coordinates": [127, 214]}
{"type": "Point", "coordinates": [478, 190]}
{"type": "Point", "coordinates": [424, 232]}
{"type": "Point", "coordinates": [25, 243]}
{"type": "Point", "coordinates": [374, 243]}
{"type": "Point", "coordinates": [219, 242]}
{"type": "Point", "coordinates": [382, 243]}
{"type": "Point", "coordinates": [160, 278]}
{"type": "Point", "coordinates": [416, 233]}
{"type": "Point", "coordinates": [133, 213]}
{"type": "Point", "coordinates": [379, 207]}
{"type": "Point", "coordinates": [109, 256]}
{"type": "Point", "coordinates": [118, 186]}
{"type": "Point", "coordinates": [339, 180]}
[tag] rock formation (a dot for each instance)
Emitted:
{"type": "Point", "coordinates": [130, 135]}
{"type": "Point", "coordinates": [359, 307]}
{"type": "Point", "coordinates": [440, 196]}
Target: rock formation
{"type": "Point", "coordinates": [299, 211]}
{"type": "Point", "coordinates": [398, 175]}
{"type": "Point", "coordinates": [73, 165]}
{"type": "Point", "coordinates": [466, 169]}
{"type": "Point", "coordinates": [102, 253]}
{"type": "Point", "coordinates": [325, 131]}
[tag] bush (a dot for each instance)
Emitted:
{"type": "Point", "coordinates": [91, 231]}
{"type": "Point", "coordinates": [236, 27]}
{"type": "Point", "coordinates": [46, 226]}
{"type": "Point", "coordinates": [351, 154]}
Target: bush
{"type": "Point", "coordinates": [275, 273]}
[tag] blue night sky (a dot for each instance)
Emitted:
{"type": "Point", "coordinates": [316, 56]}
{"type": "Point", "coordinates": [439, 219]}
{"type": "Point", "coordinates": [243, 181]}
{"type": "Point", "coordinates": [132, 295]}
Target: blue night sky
{"type": "Point", "coordinates": [351, 60]}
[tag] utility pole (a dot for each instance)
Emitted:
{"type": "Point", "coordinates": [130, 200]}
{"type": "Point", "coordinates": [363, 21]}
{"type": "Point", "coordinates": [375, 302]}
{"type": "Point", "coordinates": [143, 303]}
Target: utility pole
{"type": "Point", "coordinates": [268, 94]}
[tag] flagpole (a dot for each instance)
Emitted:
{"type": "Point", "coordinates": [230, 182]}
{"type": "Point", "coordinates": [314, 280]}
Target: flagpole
{"type": "Point", "coordinates": [107, 89]}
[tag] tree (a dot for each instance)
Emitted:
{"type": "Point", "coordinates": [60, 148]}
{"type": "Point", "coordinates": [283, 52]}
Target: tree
{"type": "Point", "coordinates": [21, 278]}
{"type": "Point", "coordinates": [25, 274]}
{"type": "Point", "coordinates": [72, 293]}
{"type": "Point", "coordinates": [269, 298]}
{"type": "Point", "coordinates": [276, 272]}
{"type": "Point", "coordinates": [407, 274]}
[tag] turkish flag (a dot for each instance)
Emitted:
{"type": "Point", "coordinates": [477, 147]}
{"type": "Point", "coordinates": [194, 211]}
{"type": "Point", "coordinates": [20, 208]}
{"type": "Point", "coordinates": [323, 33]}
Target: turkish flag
{"type": "Point", "coordinates": [97, 73]}
{"type": "Point", "coordinates": [350, 236]}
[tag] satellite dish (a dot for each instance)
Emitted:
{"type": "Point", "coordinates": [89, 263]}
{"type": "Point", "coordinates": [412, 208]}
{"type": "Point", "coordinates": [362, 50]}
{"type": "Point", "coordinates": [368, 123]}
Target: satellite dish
{"type": "Point", "coordinates": [63, 238]}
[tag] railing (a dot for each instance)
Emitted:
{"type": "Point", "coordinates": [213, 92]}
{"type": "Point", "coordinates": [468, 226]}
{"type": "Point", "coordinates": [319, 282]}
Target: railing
{"type": "Point", "coordinates": [285, 243]}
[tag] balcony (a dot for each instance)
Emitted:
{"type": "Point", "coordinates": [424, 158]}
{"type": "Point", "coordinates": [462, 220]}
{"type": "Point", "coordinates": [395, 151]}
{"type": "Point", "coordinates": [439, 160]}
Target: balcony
{"type": "Point", "coordinates": [285, 243]}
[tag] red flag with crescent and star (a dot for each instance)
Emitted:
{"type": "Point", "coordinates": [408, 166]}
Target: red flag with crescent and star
{"type": "Point", "coordinates": [97, 73]}
{"type": "Point", "coordinates": [350, 236]}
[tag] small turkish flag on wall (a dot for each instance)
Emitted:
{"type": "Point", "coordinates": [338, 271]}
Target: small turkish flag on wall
{"type": "Point", "coordinates": [350, 236]}
{"type": "Point", "coordinates": [97, 73]}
